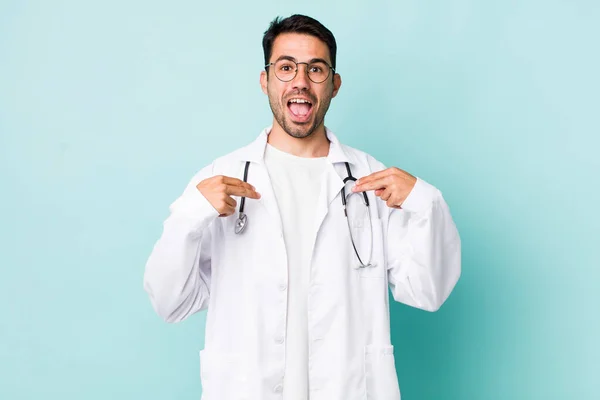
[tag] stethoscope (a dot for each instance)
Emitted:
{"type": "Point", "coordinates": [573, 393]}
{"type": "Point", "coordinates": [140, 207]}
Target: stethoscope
{"type": "Point", "coordinates": [242, 220]}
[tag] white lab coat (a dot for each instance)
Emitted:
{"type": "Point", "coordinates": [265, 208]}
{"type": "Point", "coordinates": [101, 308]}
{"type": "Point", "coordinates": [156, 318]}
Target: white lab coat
{"type": "Point", "coordinates": [200, 263]}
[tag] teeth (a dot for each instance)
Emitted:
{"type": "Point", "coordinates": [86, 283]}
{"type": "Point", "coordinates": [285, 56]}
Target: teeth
{"type": "Point", "coordinates": [299, 101]}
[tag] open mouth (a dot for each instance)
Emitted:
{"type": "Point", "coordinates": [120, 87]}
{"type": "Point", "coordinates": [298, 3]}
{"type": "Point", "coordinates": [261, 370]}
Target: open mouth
{"type": "Point", "coordinates": [300, 109]}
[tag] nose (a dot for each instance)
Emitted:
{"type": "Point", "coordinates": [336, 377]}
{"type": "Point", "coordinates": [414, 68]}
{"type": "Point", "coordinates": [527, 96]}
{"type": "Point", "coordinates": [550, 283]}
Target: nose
{"type": "Point", "coordinates": [301, 81]}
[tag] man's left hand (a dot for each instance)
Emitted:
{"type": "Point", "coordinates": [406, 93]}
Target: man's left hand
{"type": "Point", "coordinates": [392, 185]}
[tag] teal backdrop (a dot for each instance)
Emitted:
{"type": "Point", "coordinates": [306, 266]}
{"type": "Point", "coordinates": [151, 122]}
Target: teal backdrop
{"type": "Point", "coordinates": [107, 108]}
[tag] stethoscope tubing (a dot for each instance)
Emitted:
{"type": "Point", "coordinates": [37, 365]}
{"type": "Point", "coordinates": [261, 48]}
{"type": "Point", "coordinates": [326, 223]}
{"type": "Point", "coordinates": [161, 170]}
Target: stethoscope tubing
{"type": "Point", "coordinates": [242, 220]}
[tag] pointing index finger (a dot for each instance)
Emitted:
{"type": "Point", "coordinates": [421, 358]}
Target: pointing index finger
{"type": "Point", "coordinates": [242, 191]}
{"type": "Point", "coordinates": [234, 183]}
{"type": "Point", "coordinates": [373, 184]}
{"type": "Point", "coordinates": [372, 181]}
{"type": "Point", "coordinates": [373, 176]}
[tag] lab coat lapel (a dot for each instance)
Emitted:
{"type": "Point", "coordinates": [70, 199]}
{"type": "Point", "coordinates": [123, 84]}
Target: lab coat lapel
{"type": "Point", "coordinates": [333, 178]}
{"type": "Point", "coordinates": [259, 175]}
{"type": "Point", "coordinates": [331, 185]}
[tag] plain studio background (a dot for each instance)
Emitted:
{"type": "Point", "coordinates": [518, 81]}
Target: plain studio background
{"type": "Point", "coordinates": [108, 108]}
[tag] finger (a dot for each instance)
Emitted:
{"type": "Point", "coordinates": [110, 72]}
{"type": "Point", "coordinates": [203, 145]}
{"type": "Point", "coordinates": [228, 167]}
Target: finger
{"type": "Point", "coordinates": [236, 182]}
{"type": "Point", "coordinates": [378, 192]}
{"type": "Point", "coordinates": [227, 212]}
{"type": "Point", "coordinates": [230, 201]}
{"type": "Point", "coordinates": [375, 176]}
{"type": "Point", "coordinates": [229, 181]}
{"type": "Point", "coordinates": [393, 202]}
{"type": "Point", "coordinates": [372, 185]}
{"type": "Point", "coordinates": [385, 195]}
{"type": "Point", "coordinates": [242, 192]}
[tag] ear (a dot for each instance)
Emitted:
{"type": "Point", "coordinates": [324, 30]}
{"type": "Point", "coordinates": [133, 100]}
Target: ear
{"type": "Point", "coordinates": [264, 81]}
{"type": "Point", "coordinates": [337, 83]}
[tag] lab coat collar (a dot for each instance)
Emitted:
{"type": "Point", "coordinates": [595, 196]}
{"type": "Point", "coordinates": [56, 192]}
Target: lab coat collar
{"type": "Point", "coordinates": [254, 152]}
{"type": "Point", "coordinates": [331, 185]}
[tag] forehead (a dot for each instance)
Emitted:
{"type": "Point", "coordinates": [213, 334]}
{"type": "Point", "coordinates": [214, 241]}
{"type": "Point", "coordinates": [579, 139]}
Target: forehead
{"type": "Point", "coordinates": [300, 46]}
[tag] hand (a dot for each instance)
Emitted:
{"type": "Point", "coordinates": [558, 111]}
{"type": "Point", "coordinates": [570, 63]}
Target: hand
{"type": "Point", "coordinates": [219, 189]}
{"type": "Point", "coordinates": [392, 185]}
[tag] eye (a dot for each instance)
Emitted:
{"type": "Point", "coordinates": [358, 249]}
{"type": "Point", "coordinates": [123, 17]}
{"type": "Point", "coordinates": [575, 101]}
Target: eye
{"type": "Point", "coordinates": [286, 67]}
{"type": "Point", "coordinates": [316, 69]}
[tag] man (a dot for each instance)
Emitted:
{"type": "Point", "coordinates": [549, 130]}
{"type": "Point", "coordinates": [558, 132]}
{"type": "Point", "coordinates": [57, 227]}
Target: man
{"type": "Point", "coordinates": [296, 281]}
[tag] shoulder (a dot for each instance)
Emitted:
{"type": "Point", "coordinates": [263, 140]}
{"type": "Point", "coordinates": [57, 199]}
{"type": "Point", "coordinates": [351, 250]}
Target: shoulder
{"type": "Point", "coordinates": [229, 164]}
{"type": "Point", "coordinates": [362, 159]}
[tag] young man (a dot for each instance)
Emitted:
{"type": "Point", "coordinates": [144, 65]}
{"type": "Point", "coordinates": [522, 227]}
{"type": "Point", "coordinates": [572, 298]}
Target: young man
{"type": "Point", "coordinates": [294, 265]}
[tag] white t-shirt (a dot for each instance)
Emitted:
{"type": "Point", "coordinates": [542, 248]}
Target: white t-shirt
{"type": "Point", "coordinates": [297, 184]}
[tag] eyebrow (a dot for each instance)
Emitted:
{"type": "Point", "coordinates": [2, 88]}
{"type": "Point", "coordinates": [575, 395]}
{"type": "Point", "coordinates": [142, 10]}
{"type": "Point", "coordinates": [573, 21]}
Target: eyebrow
{"type": "Point", "coordinates": [295, 60]}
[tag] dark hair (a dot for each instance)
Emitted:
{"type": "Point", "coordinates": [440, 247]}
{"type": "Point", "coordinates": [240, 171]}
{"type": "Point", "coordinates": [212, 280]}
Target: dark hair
{"type": "Point", "coordinates": [298, 24]}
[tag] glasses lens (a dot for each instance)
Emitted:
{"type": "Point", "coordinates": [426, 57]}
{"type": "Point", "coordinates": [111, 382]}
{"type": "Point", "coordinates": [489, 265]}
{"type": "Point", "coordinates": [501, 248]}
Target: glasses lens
{"type": "Point", "coordinates": [318, 72]}
{"type": "Point", "coordinates": [285, 70]}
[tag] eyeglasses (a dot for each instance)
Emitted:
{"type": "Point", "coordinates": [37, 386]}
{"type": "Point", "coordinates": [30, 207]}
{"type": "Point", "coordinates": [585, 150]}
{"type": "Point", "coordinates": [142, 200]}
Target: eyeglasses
{"type": "Point", "coordinates": [286, 70]}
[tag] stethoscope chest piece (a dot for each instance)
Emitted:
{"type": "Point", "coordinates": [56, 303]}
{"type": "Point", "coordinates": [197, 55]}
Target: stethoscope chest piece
{"type": "Point", "coordinates": [240, 223]}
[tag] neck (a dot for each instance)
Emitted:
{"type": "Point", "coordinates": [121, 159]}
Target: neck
{"type": "Point", "coordinates": [315, 145]}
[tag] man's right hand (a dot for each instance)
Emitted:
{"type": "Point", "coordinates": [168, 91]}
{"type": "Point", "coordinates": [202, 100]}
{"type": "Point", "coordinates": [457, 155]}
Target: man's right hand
{"type": "Point", "coordinates": [219, 189]}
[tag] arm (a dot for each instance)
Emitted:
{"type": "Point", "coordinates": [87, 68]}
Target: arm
{"type": "Point", "coordinates": [177, 273]}
{"type": "Point", "coordinates": [423, 249]}
{"type": "Point", "coordinates": [422, 245]}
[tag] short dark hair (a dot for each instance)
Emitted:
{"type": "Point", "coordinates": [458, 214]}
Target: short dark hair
{"type": "Point", "coordinates": [298, 24]}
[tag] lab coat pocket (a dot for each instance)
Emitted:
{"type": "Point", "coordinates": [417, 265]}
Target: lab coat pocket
{"type": "Point", "coordinates": [221, 376]}
{"type": "Point", "coordinates": [380, 373]}
{"type": "Point", "coordinates": [363, 235]}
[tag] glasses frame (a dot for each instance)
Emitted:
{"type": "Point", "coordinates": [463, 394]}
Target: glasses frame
{"type": "Point", "coordinates": [296, 70]}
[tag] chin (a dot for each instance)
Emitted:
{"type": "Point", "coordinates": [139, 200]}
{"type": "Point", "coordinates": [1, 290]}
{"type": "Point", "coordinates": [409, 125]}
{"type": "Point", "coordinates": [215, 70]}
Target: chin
{"type": "Point", "coordinates": [299, 131]}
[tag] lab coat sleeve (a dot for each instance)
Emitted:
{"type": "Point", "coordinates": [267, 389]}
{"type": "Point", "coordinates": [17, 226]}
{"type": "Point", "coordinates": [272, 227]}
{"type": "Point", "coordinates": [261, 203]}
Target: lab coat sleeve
{"type": "Point", "coordinates": [423, 249]}
{"type": "Point", "coordinates": [177, 273]}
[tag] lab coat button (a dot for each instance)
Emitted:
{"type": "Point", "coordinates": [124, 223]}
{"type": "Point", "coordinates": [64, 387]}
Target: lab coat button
{"type": "Point", "coordinates": [279, 339]}
{"type": "Point", "coordinates": [278, 389]}
{"type": "Point", "coordinates": [282, 287]}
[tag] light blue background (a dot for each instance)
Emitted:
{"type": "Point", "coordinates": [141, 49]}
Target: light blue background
{"type": "Point", "coordinates": [107, 108]}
